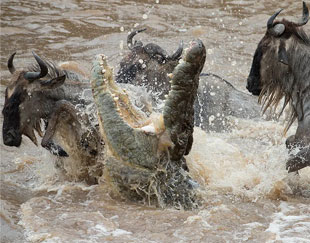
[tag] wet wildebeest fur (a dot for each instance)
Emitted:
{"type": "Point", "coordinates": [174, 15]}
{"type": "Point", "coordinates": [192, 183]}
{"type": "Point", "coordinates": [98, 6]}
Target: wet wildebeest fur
{"type": "Point", "coordinates": [217, 98]}
{"type": "Point", "coordinates": [147, 65]}
{"type": "Point", "coordinates": [58, 97]}
{"type": "Point", "coordinates": [281, 69]}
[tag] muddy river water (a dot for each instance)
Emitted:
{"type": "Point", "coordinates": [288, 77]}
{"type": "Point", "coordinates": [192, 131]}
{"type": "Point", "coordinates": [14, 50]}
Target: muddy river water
{"type": "Point", "coordinates": [248, 194]}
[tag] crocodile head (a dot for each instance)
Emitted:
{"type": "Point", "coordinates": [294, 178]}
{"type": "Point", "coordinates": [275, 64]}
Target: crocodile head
{"type": "Point", "coordinates": [145, 157]}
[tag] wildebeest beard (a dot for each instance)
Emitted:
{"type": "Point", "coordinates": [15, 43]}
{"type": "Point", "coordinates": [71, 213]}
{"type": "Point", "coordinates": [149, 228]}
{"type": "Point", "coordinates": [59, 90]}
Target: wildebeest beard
{"type": "Point", "coordinates": [290, 82]}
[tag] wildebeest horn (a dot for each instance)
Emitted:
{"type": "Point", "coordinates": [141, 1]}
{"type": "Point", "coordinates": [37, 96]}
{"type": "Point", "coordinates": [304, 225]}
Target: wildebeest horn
{"type": "Point", "coordinates": [10, 63]}
{"type": "Point", "coordinates": [276, 30]}
{"type": "Point", "coordinates": [130, 43]}
{"type": "Point", "coordinates": [36, 75]}
{"type": "Point", "coordinates": [305, 15]}
{"type": "Point", "coordinates": [178, 53]}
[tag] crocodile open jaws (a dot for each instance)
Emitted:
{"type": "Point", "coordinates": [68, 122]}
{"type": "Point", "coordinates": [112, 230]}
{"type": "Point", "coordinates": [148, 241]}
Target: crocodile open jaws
{"type": "Point", "coordinates": [145, 155]}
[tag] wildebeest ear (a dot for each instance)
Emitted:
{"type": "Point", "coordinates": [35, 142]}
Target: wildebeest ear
{"type": "Point", "coordinates": [282, 55]}
{"type": "Point", "coordinates": [53, 83]}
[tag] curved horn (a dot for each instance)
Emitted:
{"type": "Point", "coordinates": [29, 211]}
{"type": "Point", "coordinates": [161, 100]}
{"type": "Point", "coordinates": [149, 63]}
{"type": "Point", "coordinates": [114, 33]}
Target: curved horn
{"type": "Point", "coordinates": [178, 53]}
{"type": "Point", "coordinates": [305, 15]}
{"type": "Point", "coordinates": [130, 44]}
{"type": "Point", "coordinates": [10, 63]}
{"type": "Point", "coordinates": [37, 75]}
{"type": "Point", "coordinates": [276, 30]}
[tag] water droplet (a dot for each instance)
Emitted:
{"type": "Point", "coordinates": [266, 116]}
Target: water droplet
{"type": "Point", "coordinates": [144, 16]}
{"type": "Point", "coordinates": [211, 119]}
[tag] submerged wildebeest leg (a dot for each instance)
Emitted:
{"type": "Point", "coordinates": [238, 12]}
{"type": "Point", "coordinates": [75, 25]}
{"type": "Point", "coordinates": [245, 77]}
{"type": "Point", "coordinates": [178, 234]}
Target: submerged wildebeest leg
{"type": "Point", "coordinates": [65, 133]}
{"type": "Point", "coordinates": [300, 140]}
{"type": "Point", "coordinates": [64, 116]}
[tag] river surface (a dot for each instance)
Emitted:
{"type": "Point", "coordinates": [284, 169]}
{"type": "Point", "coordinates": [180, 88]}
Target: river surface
{"type": "Point", "coordinates": [249, 197]}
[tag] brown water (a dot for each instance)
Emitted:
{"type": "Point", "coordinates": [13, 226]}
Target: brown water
{"type": "Point", "coordinates": [248, 194]}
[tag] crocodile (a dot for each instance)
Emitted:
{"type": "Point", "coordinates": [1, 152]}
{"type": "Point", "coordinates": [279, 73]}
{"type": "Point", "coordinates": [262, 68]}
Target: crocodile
{"type": "Point", "coordinates": [144, 157]}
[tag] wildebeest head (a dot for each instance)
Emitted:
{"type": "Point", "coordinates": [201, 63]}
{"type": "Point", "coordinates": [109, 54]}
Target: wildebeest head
{"type": "Point", "coordinates": [19, 107]}
{"type": "Point", "coordinates": [271, 58]}
{"type": "Point", "coordinates": [147, 65]}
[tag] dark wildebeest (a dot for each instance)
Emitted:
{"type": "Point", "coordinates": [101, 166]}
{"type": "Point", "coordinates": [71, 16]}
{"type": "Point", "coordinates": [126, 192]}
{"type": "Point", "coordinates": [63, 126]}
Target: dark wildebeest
{"type": "Point", "coordinates": [281, 68]}
{"type": "Point", "coordinates": [58, 97]}
{"type": "Point", "coordinates": [147, 65]}
{"type": "Point", "coordinates": [217, 100]}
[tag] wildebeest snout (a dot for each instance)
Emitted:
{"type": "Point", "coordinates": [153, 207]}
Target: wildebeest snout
{"type": "Point", "coordinates": [12, 138]}
{"type": "Point", "coordinates": [253, 85]}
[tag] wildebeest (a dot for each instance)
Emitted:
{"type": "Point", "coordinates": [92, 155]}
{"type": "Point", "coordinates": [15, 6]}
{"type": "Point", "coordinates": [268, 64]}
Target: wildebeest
{"type": "Point", "coordinates": [58, 97]}
{"type": "Point", "coordinates": [147, 65]}
{"type": "Point", "coordinates": [217, 98]}
{"type": "Point", "coordinates": [281, 69]}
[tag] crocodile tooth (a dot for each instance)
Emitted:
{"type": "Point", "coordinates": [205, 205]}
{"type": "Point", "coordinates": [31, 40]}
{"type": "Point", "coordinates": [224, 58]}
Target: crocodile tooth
{"type": "Point", "coordinates": [170, 75]}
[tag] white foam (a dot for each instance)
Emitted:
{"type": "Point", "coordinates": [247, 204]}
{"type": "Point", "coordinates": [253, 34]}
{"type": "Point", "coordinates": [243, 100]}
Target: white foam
{"type": "Point", "coordinates": [249, 162]}
{"type": "Point", "coordinates": [103, 230]}
{"type": "Point", "coordinates": [286, 226]}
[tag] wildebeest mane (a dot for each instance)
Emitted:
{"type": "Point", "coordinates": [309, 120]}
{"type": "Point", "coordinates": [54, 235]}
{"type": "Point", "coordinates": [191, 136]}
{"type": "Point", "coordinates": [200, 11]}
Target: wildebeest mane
{"type": "Point", "coordinates": [280, 82]}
